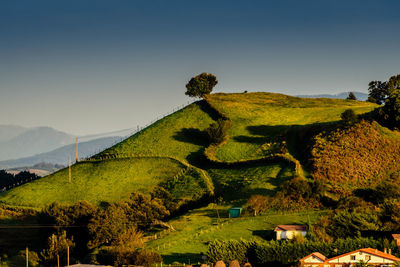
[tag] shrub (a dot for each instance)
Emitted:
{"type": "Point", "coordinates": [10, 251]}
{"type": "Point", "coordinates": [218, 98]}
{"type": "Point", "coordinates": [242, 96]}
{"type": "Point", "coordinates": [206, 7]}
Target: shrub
{"type": "Point", "coordinates": [349, 117]}
{"type": "Point", "coordinates": [147, 258]}
{"type": "Point", "coordinates": [218, 132]}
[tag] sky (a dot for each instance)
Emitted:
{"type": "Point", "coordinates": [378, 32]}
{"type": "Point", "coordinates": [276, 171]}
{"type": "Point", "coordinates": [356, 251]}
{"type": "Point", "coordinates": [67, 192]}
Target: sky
{"type": "Point", "coordinates": [93, 66]}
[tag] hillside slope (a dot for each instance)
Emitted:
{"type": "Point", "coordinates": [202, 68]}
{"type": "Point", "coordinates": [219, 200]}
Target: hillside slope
{"type": "Point", "coordinates": [358, 156]}
{"type": "Point", "coordinates": [260, 122]}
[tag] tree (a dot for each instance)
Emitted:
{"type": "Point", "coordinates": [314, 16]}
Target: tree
{"type": "Point", "coordinates": [378, 92]}
{"type": "Point", "coordinates": [57, 246]}
{"type": "Point", "coordinates": [201, 85]}
{"type": "Point", "coordinates": [351, 96]}
{"type": "Point", "coordinates": [257, 204]}
{"type": "Point", "coordinates": [349, 117]}
{"type": "Point", "coordinates": [390, 112]}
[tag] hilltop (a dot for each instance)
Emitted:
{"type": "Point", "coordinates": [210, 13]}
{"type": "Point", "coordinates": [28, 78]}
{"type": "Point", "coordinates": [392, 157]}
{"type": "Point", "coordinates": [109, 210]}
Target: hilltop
{"type": "Point", "coordinates": [262, 125]}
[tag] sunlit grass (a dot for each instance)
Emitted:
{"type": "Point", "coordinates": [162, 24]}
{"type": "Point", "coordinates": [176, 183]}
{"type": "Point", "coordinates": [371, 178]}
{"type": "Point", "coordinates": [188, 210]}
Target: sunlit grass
{"type": "Point", "coordinates": [110, 180]}
{"type": "Point", "coordinates": [260, 118]}
{"type": "Point", "coordinates": [198, 227]}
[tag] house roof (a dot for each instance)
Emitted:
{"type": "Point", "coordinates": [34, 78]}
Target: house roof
{"type": "Point", "coordinates": [371, 251]}
{"type": "Point", "coordinates": [286, 227]}
{"type": "Point", "coordinates": [396, 236]}
{"type": "Point", "coordinates": [317, 255]}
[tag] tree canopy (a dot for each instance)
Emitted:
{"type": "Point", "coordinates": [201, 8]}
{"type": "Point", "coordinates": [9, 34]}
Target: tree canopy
{"type": "Point", "coordinates": [201, 85]}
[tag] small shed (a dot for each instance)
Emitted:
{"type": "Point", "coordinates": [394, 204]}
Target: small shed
{"type": "Point", "coordinates": [235, 212]}
{"type": "Point", "coordinates": [289, 231]}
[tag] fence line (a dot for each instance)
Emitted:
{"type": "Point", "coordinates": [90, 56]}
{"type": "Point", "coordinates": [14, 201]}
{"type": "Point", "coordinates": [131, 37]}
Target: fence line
{"type": "Point", "coordinates": [140, 129]}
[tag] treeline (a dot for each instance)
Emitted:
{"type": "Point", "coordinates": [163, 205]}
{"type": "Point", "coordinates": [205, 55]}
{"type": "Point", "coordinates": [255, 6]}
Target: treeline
{"type": "Point", "coordinates": [115, 230]}
{"type": "Point", "coordinates": [288, 253]}
{"type": "Point", "coordinates": [8, 180]}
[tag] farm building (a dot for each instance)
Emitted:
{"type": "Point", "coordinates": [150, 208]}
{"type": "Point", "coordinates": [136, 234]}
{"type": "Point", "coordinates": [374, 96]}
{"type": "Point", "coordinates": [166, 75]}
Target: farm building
{"type": "Point", "coordinates": [235, 212]}
{"type": "Point", "coordinates": [372, 256]}
{"type": "Point", "coordinates": [289, 231]}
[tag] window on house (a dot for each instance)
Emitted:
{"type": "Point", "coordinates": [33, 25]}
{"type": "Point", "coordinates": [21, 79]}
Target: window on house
{"type": "Point", "coordinates": [367, 257]}
{"type": "Point", "coordinates": [353, 258]}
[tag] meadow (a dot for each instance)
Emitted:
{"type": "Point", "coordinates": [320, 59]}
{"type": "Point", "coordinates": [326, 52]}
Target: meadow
{"type": "Point", "coordinates": [96, 182]}
{"type": "Point", "coordinates": [196, 228]}
{"type": "Point", "coordinates": [261, 120]}
{"type": "Point", "coordinates": [160, 151]}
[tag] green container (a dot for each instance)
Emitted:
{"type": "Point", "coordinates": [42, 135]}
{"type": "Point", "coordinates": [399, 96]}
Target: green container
{"type": "Point", "coordinates": [234, 212]}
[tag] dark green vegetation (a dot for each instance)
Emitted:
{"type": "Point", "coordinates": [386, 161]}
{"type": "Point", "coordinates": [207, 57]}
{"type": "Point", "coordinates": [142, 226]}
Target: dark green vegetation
{"type": "Point", "coordinates": [8, 180]}
{"type": "Point", "coordinates": [287, 253]}
{"type": "Point", "coordinates": [201, 85]}
{"type": "Point", "coordinates": [270, 153]}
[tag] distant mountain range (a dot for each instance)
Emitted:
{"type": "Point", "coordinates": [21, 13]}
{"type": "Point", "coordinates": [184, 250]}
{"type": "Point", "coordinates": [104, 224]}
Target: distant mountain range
{"type": "Point", "coordinates": [60, 155]}
{"type": "Point", "coordinates": [25, 147]}
{"type": "Point", "coordinates": [21, 142]}
{"type": "Point", "coordinates": [360, 96]}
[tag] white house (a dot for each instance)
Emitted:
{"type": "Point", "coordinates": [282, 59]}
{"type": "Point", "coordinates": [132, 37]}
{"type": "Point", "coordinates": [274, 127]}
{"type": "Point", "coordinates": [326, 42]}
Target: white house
{"type": "Point", "coordinates": [372, 256]}
{"type": "Point", "coordinates": [289, 231]}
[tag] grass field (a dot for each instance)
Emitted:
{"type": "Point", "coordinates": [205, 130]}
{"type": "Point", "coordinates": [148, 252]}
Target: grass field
{"type": "Point", "coordinates": [177, 135]}
{"type": "Point", "coordinates": [196, 228]}
{"type": "Point", "coordinates": [109, 180]}
{"type": "Point", "coordinates": [260, 118]}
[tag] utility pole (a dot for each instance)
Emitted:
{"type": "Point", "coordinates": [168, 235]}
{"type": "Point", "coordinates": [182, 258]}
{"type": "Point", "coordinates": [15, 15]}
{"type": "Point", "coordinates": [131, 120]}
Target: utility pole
{"type": "Point", "coordinates": [69, 169]}
{"type": "Point", "coordinates": [67, 255]}
{"type": "Point", "coordinates": [77, 158]}
{"type": "Point", "coordinates": [27, 257]}
{"type": "Point", "coordinates": [58, 260]}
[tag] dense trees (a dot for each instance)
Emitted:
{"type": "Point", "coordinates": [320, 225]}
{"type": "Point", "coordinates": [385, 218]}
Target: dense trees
{"type": "Point", "coordinates": [8, 180]}
{"type": "Point", "coordinates": [201, 85]}
{"type": "Point", "coordinates": [387, 93]}
{"type": "Point", "coordinates": [378, 92]}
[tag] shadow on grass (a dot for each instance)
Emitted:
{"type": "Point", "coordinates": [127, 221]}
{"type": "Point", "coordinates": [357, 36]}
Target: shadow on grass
{"type": "Point", "coordinates": [192, 136]}
{"type": "Point", "coordinates": [265, 234]}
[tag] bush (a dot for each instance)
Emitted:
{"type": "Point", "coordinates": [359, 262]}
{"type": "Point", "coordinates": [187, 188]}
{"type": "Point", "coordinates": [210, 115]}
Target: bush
{"type": "Point", "coordinates": [147, 258]}
{"type": "Point", "coordinates": [349, 117]}
{"type": "Point", "coordinates": [218, 132]}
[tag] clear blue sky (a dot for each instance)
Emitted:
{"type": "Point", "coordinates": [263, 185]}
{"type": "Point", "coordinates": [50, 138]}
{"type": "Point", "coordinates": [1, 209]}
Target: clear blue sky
{"type": "Point", "coordinates": [94, 66]}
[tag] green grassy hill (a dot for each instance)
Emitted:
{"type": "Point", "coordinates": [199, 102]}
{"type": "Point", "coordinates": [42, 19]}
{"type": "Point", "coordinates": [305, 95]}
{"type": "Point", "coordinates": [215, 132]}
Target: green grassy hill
{"type": "Point", "coordinates": [176, 143]}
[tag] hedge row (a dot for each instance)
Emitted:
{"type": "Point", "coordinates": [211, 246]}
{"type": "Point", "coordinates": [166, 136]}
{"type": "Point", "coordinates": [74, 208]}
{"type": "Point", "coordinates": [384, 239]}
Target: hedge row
{"type": "Point", "coordinates": [287, 252]}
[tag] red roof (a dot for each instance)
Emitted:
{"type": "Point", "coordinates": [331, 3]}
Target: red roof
{"type": "Point", "coordinates": [315, 254]}
{"type": "Point", "coordinates": [285, 227]}
{"type": "Point", "coordinates": [371, 251]}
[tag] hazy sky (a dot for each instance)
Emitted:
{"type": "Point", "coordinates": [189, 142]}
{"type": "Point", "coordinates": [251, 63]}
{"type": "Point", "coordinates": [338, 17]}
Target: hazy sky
{"type": "Point", "coordinates": [95, 66]}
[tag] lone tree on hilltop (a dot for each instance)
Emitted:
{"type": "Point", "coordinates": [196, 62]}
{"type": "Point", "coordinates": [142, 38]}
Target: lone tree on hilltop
{"type": "Point", "coordinates": [351, 96]}
{"type": "Point", "coordinates": [201, 85]}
